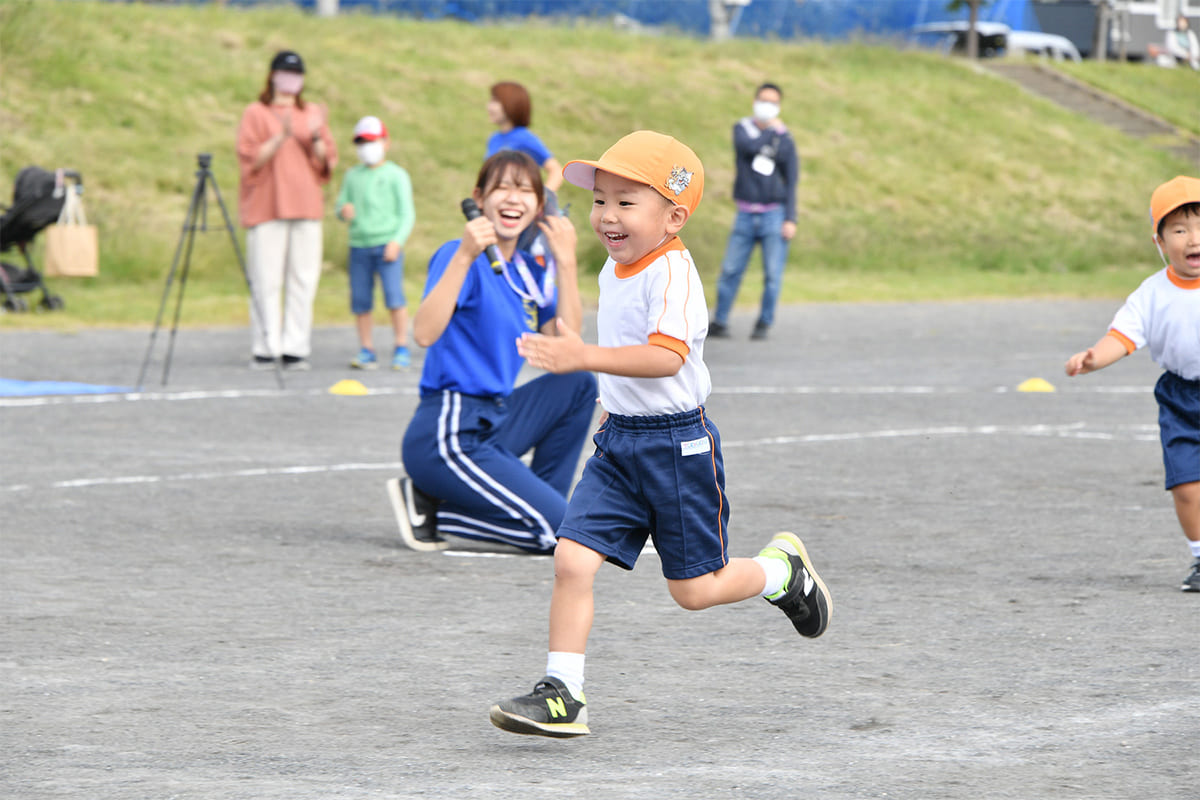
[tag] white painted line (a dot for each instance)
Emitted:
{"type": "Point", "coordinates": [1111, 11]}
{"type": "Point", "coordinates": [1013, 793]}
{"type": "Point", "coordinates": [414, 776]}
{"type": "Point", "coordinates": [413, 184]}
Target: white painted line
{"type": "Point", "coordinates": [452, 553]}
{"type": "Point", "coordinates": [1073, 430]}
{"type": "Point", "coordinates": [922, 390]}
{"type": "Point", "coordinates": [1069, 431]}
{"type": "Point", "coordinates": [412, 391]}
{"type": "Point", "coordinates": [786, 390]}
{"type": "Point", "coordinates": [486, 554]}
{"type": "Point", "coordinates": [214, 394]}
{"type": "Point", "coordinates": [260, 472]}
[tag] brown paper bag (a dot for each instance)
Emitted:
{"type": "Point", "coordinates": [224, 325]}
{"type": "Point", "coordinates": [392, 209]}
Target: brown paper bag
{"type": "Point", "coordinates": [72, 246]}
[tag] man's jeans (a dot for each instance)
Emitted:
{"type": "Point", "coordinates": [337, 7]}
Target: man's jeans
{"type": "Point", "coordinates": [750, 228]}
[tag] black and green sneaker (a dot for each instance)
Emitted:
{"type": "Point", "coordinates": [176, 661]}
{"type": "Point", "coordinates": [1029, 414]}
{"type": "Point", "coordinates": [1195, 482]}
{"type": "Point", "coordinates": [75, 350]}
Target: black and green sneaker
{"type": "Point", "coordinates": [1191, 582]}
{"type": "Point", "coordinates": [549, 710]}
{"type": "Point", "coordinates": [803, 597]}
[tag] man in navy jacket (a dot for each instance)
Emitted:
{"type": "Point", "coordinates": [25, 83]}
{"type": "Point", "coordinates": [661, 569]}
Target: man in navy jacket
{"type": "Point", "coordinates": [768, 169]}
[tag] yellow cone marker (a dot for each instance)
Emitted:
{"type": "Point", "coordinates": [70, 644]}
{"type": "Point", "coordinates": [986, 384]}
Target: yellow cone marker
{"type": "Point", "coordinates": [1035, 385]}
{"type": "Point", "coordinates": [348, 386]}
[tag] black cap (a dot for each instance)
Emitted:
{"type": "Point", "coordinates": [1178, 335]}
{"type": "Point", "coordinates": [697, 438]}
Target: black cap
{"type": "Point", "coordinates": [287, 61]}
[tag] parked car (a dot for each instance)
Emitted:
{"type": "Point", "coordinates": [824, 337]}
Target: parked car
{"type": "Point", "coordinates": [1050, 45]}
{"type": "Point", "coordinates": [995, 39]}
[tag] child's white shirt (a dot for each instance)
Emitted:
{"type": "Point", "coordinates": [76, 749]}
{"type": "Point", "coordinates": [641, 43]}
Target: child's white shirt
{"type": "Point", "coordinates": [659, 300]}
{"type": "Point", "coordinates": [1164, 314]}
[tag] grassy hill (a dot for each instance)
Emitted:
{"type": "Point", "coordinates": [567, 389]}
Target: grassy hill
{"type": "Point", "coordinates": [922, 176]}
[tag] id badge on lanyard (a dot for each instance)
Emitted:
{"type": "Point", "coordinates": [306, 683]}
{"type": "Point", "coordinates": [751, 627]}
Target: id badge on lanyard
{"type": "Point", "coordinates": [541, 295]}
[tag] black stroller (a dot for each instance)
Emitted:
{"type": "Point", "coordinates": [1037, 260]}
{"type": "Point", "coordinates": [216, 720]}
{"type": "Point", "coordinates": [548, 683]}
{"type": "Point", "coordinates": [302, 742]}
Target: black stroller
{"type": "Point", "coordinates": [38, 197]}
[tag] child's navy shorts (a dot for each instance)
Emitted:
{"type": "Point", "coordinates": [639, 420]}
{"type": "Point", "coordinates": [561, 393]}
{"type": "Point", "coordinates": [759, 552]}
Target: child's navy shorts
{"type": "Point", "coordinates": [1179, 426]}
{"type": "Point", "coordinates": [661, 477]}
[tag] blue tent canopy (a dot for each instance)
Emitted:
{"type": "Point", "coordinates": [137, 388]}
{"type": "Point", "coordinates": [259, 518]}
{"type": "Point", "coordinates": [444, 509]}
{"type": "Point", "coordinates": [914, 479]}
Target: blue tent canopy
{"type": "Point", "coordinates": [783, 19]}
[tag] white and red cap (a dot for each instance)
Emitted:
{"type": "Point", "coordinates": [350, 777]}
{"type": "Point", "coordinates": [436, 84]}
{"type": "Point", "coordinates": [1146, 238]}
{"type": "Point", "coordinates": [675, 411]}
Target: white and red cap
{"type": "Point", "coordinates": [369, 129]}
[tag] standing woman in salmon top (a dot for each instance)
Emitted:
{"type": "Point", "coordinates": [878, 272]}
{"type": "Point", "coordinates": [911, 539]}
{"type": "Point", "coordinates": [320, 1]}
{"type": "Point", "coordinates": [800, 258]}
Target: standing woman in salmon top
{"type": "Point", "coordinates": [286, 155]}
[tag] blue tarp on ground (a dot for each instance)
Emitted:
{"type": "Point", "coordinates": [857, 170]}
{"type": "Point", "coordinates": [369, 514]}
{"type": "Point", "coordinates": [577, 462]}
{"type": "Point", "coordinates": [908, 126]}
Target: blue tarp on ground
{"type": "Point", "coordinates": [15, 388]}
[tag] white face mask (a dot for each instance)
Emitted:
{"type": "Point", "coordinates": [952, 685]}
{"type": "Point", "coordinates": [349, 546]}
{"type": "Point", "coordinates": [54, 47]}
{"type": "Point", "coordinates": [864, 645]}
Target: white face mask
{"type": "Point", "coordinates": [764, 111]}
{"type": "Point", "coordinates": [370, 153]}
{"type": "Point", "coordinates": [287, 82]}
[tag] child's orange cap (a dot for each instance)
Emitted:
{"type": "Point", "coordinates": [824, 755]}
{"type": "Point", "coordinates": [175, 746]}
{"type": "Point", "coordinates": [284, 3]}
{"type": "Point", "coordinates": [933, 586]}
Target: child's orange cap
{"type": "Point", "coordinates": [1179, 191]}
{"type": "Point", "coordinates": [655, 159]}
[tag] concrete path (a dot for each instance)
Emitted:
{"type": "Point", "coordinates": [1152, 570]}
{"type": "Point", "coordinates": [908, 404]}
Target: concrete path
{"type": "Point", "coordinates": [1105, 108]}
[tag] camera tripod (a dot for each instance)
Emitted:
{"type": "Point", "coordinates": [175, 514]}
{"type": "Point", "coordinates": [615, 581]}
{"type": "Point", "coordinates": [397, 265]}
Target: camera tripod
{"type": "Point", "coordinates": [196, 220]}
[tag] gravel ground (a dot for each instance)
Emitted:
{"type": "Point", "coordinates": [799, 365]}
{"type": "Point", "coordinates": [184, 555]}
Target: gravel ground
{"type": "Point", "coordinates": [203, 594]}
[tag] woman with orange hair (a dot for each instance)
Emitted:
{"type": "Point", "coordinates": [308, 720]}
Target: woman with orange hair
{"type": "Point", "coordinates": [511, 110]}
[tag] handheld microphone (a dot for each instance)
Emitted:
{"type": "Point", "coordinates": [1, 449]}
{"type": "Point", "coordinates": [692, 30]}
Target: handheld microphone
{"type": "Point", "coordinates": [471, 210]}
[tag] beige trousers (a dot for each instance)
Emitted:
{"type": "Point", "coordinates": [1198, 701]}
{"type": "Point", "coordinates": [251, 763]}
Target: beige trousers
{"type": "Point", "coordinates": [283, 261]}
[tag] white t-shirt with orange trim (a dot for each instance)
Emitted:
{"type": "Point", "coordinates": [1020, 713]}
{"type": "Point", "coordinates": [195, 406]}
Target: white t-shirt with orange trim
{"type": "Point", "coordinates": [658, 300]}
{"type": "Point", "coordinates": [1164, 314]}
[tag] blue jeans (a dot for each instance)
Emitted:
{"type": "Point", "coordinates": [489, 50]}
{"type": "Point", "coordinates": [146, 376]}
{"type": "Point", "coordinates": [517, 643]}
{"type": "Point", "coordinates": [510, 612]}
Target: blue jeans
{"type": "Point", "coordinates": [365, 264]}
{"type": "Point", "coordinates": [748, 230]}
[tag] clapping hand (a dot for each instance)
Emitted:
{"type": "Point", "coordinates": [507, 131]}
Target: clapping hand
{"type": "Point", "coordinates": [560, 235]}
{"type": "Point", "coordinates": [316, 121]}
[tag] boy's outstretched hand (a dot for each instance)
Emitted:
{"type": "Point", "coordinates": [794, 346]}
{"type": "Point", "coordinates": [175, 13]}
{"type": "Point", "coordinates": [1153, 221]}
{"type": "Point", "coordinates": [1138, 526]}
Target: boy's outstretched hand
{"type": "Point", "coordinates": [1082, 362]}
{"type": "Point", "coordinates": [557, 354]}
{"type": "Point", "coordinates": [1104, 352]}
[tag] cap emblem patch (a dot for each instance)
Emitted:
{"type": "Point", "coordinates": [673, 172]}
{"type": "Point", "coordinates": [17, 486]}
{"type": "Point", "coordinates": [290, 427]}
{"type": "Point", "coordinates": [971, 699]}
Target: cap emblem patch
{"type": "Point", "coordinates": [679, 180]}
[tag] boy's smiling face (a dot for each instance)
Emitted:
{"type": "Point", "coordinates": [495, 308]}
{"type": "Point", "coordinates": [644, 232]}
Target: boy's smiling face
{"type": "Point", "coordinates": [1180, 242]}
{"type": "Point", "coordinates": [631, 218]}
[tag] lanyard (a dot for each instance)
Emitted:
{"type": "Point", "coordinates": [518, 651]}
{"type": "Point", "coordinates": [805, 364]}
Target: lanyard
{"type": "Point", "coordinates": [541, 295]}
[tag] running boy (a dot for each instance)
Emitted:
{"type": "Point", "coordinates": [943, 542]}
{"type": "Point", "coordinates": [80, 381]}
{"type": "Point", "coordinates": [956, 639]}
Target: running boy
{"type": "Point", "coordinates": [657, 470]}
{"type": "Point", "coordinates": [376, 199]}
{"type": "Point", "coordinates": [1164, 314]}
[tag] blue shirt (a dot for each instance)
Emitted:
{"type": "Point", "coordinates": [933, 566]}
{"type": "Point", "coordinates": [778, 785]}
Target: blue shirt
{"type": "Point", "coordinates": [521, 139]}
{"type": "Point", "coordinates": [477, 353]}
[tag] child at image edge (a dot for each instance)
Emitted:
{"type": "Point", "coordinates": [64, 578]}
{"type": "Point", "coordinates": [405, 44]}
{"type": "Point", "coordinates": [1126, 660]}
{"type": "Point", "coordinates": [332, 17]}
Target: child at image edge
{"type": "Point", "coordinates": [1164, 314]}
{"type": "Point", "coordinates": [376, 199]}
{"type": "Point", "coordinates": [657, 470]}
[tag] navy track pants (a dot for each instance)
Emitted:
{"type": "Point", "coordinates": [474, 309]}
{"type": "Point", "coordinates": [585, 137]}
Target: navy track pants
{"type": "Point", "coordinates": [466, 451]}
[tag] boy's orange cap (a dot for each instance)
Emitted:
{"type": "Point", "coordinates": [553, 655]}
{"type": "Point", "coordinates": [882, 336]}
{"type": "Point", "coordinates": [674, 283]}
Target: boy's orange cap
{"type": "Point", "coordinates": [1179, 191]}
{"type": "Point", "coordinates": [655, 159]}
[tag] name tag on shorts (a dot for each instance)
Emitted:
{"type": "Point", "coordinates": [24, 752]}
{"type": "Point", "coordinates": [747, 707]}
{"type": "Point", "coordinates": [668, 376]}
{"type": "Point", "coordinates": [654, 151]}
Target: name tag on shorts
{"type": "Point", "coordinates": [695, 447]}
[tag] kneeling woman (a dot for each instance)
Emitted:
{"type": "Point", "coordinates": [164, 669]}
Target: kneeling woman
{"type": "Point", "coordinates": [462, 451]}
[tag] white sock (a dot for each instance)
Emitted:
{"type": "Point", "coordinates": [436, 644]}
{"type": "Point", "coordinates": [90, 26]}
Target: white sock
{"type": "Point", "coordinates": [568, 668]}
{"type": "Point", "coordinates": [1195, 548]}
{"type": "Point", "coordinates": [776, 572]}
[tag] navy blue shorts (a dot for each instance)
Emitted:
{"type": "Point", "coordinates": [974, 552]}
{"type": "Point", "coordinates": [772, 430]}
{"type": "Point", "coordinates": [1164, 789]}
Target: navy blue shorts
{"type": "Point", "coordinates": [658, 477]}
{"type": "Point", "coordinates": [1179, 426]}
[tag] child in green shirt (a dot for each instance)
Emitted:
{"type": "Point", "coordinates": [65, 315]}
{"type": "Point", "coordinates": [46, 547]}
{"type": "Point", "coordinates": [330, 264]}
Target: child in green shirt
{"type": "Point", "coordinates": [376, 199]}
